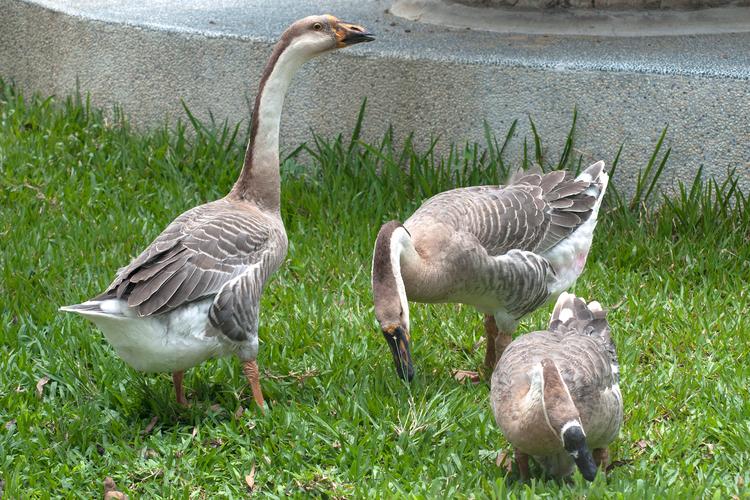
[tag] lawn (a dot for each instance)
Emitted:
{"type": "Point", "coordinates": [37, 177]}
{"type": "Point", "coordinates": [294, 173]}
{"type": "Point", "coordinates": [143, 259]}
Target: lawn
{"type": "Point", "coordinates": [82, 193]}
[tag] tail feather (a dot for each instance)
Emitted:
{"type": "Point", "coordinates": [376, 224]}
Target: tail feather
{"type": "Point", "coordinates": [112, 308]}
{"type": "Point", "coordinates": [598, 181]}
{"type": "Point", "coordinates": [573, 313]}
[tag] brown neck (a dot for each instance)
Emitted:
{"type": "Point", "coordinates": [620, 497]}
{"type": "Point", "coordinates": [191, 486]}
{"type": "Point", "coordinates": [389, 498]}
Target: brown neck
{"type": "Point", "coordinates": [389, 294]}
{"type": "Point", "coordinates": [260, 180]}
{"type": "Point", "coordinates": [558, 403]}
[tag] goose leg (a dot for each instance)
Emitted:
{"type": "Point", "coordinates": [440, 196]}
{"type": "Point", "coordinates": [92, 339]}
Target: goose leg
{"type": "Point", "coordinates": [178, 389]}
{"type": "Point", "coordinates": [601, 458]}
{"type": "Point", "coordinates": [522, 461]}
{"type": "Point", "coordinates": [490, 330]}
{"type": "Point", "coordinates": [502, 340]}
{"type": "Point", "coordinates": [250, 369]}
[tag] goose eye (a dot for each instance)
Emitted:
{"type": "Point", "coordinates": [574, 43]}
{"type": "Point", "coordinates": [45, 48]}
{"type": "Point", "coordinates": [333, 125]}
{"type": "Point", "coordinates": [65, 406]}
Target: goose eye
{"type": "Point", "coordinates": [317, 26]}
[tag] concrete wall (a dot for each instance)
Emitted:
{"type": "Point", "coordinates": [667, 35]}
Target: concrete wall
{"type": "Point", "coordinates": [148, 71]}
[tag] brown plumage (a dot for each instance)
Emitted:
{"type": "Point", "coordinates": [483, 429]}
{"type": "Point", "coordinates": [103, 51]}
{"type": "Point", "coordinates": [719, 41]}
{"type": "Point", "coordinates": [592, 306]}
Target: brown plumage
{"type": "Point", "coordinates": [563, 380]}
{"type": "Point", "coordinates": [194, 292]}
{"type": "Point", "coordinates": [503, 249]}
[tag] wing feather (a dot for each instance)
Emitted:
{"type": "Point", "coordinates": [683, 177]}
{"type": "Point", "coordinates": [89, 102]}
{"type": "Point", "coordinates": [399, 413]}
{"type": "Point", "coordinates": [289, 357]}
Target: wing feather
{"type": "Point", "coordinates": [197, 254]}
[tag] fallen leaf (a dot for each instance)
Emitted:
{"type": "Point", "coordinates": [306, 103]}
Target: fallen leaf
{"type": "Point", "coordinates": [195, 432]}
{"type": "Point", "coordinates": [216, 408]}
{"type": "Point", "coordinates": [618, 463]}
{"type": "Point", "coordinates": [461, 375]}
{"type": "Point", "coordinates": [504, 461]}
{"type": "Point", "coordinates": [110, 490]}
{"type": "Point", "coordinates": [150, 425]}
{"type": "Point", "coordinates": [40, 385]}
{"type": "Point", "coordinates": [642, 444]}
{"type": "Point", "coordinates": [215, 443]}
{"type": "Point", "coordinates": [250, 478]}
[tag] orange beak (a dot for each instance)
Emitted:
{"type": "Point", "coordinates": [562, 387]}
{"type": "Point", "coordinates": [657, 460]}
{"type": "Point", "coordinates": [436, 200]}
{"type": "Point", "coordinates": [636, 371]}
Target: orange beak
{"type": "Point", "coordinates": [350, 34]}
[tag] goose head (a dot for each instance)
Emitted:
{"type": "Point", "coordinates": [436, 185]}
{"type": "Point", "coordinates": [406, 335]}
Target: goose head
{"type": "Point", "coordinates": [316, 35]}
{"type": "Point", "coordinates": [389, 295]}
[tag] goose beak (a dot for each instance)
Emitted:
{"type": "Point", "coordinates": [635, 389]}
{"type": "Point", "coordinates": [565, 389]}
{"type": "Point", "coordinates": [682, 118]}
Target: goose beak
{"type": "Point", "coordinates": [575, 444]}
{"type": "Point", "coordinates": [585, 463]}
{"type": "Point", "coordinates": [350, 34]}
{"type": "Point", "coordinates": [398, 341]}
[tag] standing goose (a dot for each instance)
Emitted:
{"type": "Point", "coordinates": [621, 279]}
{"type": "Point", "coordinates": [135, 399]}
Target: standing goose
{"type": "Point", "coordinates": [194, 293]}
{"type": "Point", "coordinates": [505, 250]}
{"type": "Point", "coordinates": [555, 394]}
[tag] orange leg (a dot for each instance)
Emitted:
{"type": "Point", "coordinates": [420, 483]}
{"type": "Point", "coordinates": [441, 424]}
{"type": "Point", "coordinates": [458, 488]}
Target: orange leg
{"type": "Point", "coordinates": [601, 458]}
{"type": "Point", "coordinates": [178, 390]}
{"type": "Point", "coordinates": [250, 369]}
{"type": "Point", "coordinates": [522, 461]}
{"type": "Point", "coordinates": [502, 341]}
{"type": "Point", "coordinates": [490, 330]}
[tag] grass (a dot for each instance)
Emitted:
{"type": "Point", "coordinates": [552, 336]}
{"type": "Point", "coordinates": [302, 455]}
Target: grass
{"type": "Point", "coordinates": [83, 193]}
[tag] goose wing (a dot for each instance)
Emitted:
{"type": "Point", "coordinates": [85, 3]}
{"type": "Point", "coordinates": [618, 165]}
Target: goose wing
{"type": "Point", "coordinates": [534, 213]}
{"type": "Point", "coordinates": [197, 254]}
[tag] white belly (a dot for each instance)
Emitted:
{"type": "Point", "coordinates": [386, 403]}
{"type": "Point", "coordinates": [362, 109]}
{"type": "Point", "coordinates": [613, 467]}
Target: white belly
{"type": "Point", "coordinates": [174, 341]}
{"type": "Point", "coordinates": [568, 258]}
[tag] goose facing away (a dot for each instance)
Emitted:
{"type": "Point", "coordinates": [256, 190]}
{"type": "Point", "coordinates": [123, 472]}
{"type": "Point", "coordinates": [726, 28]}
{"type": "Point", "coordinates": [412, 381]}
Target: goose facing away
{"type": "Point", "coordinates": [505, 250]}
{"type": "Point", "coordinates": [194, 293]}
{"type": "Point", "coordinates": [555, 394]}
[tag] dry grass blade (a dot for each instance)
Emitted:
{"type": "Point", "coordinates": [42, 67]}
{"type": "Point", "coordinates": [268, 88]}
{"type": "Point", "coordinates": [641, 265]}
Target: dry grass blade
{"type": "Point", "coordinates": [150, 425]}
{"type": "Point", "coordinates": [250, 479]}
{"type": "Point", "coordinates": [40, 385]}
{"type": "Point", "coordinates": [464, 375]}
{"type": "Point", "coordinates": [504, 460]}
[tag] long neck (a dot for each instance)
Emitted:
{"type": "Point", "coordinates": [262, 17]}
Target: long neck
{"type": "Point", "coordinates": [559, 409]}
{"type": "Point", "coordinates": [260, 180]}
{"type": "Point", "coordinates": [392, 248]}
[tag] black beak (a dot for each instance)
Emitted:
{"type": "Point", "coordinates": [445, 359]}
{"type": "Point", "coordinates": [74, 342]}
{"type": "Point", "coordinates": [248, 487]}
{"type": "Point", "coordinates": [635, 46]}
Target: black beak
{"type": "Point", "coordinates": [399, 344]}
{"type": "Point", "coordinates": [575, 444]}
{"type": "Point", "coordinates": [585, 463]}
{"type": "Point", "coordinates": [350, 34]}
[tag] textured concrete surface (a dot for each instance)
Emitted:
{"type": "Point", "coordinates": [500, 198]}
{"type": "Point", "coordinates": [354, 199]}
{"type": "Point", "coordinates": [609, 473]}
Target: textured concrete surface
{"type": "Point", "coordinates": [601, 4]}
{"type": "Point", "coordinates": [418, 77]}
{"type": "Point", "coordinates": [534, 19]}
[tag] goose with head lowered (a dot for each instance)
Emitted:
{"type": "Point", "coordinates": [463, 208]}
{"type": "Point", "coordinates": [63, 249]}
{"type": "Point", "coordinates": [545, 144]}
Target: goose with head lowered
{"type": "Point", "coordinates": [505, 250]}
{"type": "Point", "coordinates": [194, 293]}
{"type": "Point", "coordinates": [556, 395]}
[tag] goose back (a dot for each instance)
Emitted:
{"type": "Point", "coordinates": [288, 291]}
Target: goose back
{"type": "Point", "coordinates": [579, 343]}
{"type": "Point", "coordinates": [533, 213]}
{"type": "Point", "coordinates": [198, 253]}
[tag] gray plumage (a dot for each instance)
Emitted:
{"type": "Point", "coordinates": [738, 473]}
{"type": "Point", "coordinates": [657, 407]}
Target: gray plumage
{"type": "Point", "coordinates": [505, 250]}
{"type": "Point", "coordinates": [578, 341]}
{"type": "Point", "coordinates": [496, 237]}
{"type": "Point", "coordinates": [199, 253]}
{"type": "Point", "coordinates": [194, 292]}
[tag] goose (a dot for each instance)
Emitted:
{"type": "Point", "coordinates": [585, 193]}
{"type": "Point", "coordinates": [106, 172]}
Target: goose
{"type": "Point", "coordinates": [506, 250]}
{"type": "Point", "coordinates": [555, 394]}
{"type": "Point", "coordinates": [194, 292]}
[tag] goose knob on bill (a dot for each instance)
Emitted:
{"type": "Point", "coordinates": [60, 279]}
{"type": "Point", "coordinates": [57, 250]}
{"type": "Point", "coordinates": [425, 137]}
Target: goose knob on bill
{"type": "Point", "coordinates": [505, 250]}
{"type": "Point", "coordinates": [556, 395]}
{"type": "Point", "coordinates": [194, 293]}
